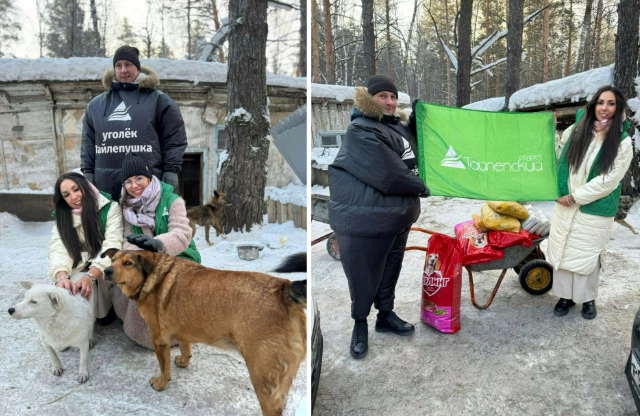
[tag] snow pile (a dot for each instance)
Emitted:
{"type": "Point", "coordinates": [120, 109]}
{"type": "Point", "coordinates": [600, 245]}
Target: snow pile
{"type": "Point", "coordinates": [221, 159]}
{"type": "Point", "coordinates": [290, 194]}
{"type": "Point", "coordinates": [490, 104]}
{"type": "Point", "coordinates": [574, 88]}
{"type": "Point", "coordinates": [322, 157]}
{"type": "Point", "coordinates": [46, 191]}
{"type": "Point", "coordinates": [320, 190]}
{"type": "Point", "coordinates": [341, 93]}
{"type": "Point", "coordinates": [239, 115]}
{"type": "Point", "coordinates": [92, 69]}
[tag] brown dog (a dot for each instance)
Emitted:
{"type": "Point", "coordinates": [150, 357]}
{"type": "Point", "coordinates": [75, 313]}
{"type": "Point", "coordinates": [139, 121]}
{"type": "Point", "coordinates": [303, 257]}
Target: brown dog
{"type": "Point", "coordinates": [261, 315]}
{"type": "Point", "coordinates": [208, 215]}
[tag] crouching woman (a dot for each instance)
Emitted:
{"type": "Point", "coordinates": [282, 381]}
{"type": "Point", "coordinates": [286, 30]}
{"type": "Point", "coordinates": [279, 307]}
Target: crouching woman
{"type": "Point", "coordinates": [87, 223]}
{"type": "Point", "coordinates": [155, 219]}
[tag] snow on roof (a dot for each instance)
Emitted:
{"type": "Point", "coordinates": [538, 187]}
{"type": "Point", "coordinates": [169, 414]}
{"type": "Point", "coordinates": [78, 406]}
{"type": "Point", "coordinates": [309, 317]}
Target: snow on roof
{"type": "Point", "coordinates": [341, 93]}
{"type": "Point", "coordinates": [574, 87]}
{"type": "Point", "coordinates": [490, 104]}
{"type": "Point", "coordinates": [91, 69]}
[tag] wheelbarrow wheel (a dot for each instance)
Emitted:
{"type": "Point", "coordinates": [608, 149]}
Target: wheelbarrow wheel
{"type": "Point", "coordinates": [332, 247]}
{"type": "Point", "coordinates": [536, 277]}
{"type": "Point", "coordinates": [530, 257]}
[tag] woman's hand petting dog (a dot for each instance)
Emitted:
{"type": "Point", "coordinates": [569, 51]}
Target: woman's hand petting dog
{"type": "Point", "coordinates": [144, 242]}
{"type": "Point", "coordinates": [67, 284]}
{"type": "Point", "coordinates": [85, 286]}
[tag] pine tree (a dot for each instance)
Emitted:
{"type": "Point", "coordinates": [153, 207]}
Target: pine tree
{"type": "Point", "coordinates": [126, 35]}
{"type": "Point", "coordinates": [66, 34]}
{"type": "Point", "coordinates": [9, 27]}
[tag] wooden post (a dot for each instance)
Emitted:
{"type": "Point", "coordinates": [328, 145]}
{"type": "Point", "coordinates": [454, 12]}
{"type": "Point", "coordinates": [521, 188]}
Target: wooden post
{"type": "Point", "coordinates": [272, 213]}
{"type": "Point", "coordinates": [282, 212]}
{"type": "Point", "coordinates": [290, 215]}
{"type": "Point", "coordinates": [296, 216]}
{"type": "Point", "coordinates": [303, 217]}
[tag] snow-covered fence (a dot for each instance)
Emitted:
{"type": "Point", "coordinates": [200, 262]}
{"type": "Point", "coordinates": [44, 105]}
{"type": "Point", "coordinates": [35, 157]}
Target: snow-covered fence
{"type": "Point", "coordinates": [287, 204]}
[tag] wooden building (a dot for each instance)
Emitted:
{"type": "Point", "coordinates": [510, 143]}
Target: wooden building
{"type": "Point", "coordinates": [42, 104]}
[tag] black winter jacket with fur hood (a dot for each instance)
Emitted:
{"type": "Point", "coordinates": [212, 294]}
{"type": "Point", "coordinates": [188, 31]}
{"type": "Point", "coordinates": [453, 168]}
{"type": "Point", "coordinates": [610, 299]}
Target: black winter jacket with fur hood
{"type": "Point", "coordinates": [373, 191]}
{"type": "Point", "coordinates": [131, 117]}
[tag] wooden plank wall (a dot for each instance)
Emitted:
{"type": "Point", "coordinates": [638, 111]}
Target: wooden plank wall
{"type": "Point", "coordinates": [329, 115]}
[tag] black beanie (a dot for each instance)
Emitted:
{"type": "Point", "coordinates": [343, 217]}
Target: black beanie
{"type": "Point", "coordinates": [379, 83]}
{"type": "Point", "coordinates": [134, 165]}
{"type": "Point", "coordinates": [127, 53]}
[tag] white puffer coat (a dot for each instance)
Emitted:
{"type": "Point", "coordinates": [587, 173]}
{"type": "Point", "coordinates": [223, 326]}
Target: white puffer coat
{"type": "Point", "coordinates": [59, 259]}
{"type": "Point", "coordinates": [576, 239]}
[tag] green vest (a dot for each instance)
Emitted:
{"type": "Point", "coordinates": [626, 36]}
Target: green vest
{"type": "Point", "coordinates": [606, 206]}
{"type": "Point", "coordinates": [162, 221]}
{"type": "Point", "coordinates": [104, 212]}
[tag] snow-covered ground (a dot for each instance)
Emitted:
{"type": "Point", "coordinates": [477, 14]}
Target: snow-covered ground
{"type": "Point", "coordinates": [216, 382]}
{"type": "Point", "coordinates": [515, 357]}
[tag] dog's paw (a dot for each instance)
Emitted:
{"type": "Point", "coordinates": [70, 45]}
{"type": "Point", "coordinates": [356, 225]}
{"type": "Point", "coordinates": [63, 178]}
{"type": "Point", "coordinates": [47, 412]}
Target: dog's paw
{"type": "Point", "coordinates": [83, 376]}
{"type": "Point", "coordinates": [92, 343]}
{"type": "Point", "coordinates": [57, 371]}
{"type": "Point", "coordinates": [181, 362]}
{"type": "Point", "coordinates": [223, 236]}
{"type": "Point", "coordinates": [158, 383]}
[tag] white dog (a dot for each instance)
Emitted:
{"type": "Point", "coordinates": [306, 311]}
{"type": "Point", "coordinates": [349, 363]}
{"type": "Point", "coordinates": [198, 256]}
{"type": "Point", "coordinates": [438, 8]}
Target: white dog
{"type": "Point", "coordinates": [64, 320]}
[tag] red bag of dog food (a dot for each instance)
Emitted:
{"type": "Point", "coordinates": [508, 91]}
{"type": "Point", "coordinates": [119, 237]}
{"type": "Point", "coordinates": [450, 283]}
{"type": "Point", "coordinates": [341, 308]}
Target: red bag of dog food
{"type": "Point", "coordinates": [474, 244]}
{"type": "Point", "coordinates": [441, 284]}
{"type": "Point", "coordinates": [502, 239]}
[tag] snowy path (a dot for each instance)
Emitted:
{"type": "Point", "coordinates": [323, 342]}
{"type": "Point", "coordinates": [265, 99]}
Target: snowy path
{"type": "Point", "coordinates": [515, 357]}
{"type": "Point", "coordinates": [216, 382]}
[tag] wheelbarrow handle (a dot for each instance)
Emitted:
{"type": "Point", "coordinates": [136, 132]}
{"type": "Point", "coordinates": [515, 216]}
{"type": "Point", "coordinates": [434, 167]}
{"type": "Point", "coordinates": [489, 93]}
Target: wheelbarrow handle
{"type": "Point", "coordinates": [422, 230]}
{"type": "Point", "coordinates": [415, 248]}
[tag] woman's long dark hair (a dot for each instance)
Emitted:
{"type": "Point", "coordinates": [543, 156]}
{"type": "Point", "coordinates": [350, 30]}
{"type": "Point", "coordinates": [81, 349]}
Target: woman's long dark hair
{"type": "Point", "coordinates": [582, 134]}
{"type": "Point", "coordinates": [64, 220]}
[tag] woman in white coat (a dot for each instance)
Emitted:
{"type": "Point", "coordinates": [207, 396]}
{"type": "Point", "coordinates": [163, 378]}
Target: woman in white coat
{"type": "Point", "coordinates": [87, 223]}
{"type": "Point", "coordinates": [595, 157]}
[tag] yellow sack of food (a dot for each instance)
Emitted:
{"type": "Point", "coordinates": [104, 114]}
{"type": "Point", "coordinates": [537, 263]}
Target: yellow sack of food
{"type": "Point", "coordinates": [477, 219]}
{"type": "Point", "coordinates": [513, 209]}
{"type": "Point", "coordinates": [499, 222]}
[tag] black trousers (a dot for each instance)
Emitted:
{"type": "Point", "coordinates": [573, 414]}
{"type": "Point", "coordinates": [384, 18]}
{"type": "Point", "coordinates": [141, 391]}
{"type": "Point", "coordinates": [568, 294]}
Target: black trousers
{"type": "Point", "coordinates": [372, 267]}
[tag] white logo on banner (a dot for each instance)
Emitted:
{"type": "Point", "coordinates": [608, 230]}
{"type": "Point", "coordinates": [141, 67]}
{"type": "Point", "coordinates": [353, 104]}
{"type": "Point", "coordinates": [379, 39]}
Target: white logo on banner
{"type": "Point", "coordinates": [452, 160]}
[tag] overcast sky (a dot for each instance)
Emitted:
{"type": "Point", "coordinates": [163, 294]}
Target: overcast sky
{"type": "Point", "coordinates": [282, 25]}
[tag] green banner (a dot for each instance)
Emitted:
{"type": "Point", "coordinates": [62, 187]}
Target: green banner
{"type": "Point", "coordinates": [487, 155]}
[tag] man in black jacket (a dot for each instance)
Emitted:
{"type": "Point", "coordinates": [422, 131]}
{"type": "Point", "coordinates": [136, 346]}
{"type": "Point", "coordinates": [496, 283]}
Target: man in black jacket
{"type": "Point", "coordinates": [374, 201]}
{"type": "Point", "coordinates": [131, 116]}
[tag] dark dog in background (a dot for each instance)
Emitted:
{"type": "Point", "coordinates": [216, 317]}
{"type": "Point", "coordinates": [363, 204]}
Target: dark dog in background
{"type": "Point", "coordinates": [208, 215]}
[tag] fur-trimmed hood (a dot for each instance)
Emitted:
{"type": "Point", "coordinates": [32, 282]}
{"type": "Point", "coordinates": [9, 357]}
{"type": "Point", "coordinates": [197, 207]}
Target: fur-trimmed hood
{"type": "Point", "coordinates": [367, 105]}
{"type": "Point", "coordinates": [150, 80]}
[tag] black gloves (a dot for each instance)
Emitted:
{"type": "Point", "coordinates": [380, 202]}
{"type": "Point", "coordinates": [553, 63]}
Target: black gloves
{"type": "Point", "coordinates": [89, 176]}
{"type": "Point", "coordinates": [172, 179]}
{"type": "Point", "coordinates": [144, 242]}
{"type": "Point", "coordinates": [425, 192]}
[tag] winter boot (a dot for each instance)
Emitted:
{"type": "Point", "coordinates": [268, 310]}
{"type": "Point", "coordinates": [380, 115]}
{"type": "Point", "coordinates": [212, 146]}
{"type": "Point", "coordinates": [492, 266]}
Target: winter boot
{"type": "Point", "coordinates": [563, 306]}
{"type": "Point", "coordinates": [360, 339]}
{"type": "Point", "coordinates": [389, 322]}
{"type": "Point", "coordinates": [589, 309]}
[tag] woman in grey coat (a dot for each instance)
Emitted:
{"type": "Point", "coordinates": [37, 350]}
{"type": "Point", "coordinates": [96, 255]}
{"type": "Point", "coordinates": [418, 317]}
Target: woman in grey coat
{"type": "Point", "coordinates": [374, 200]}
